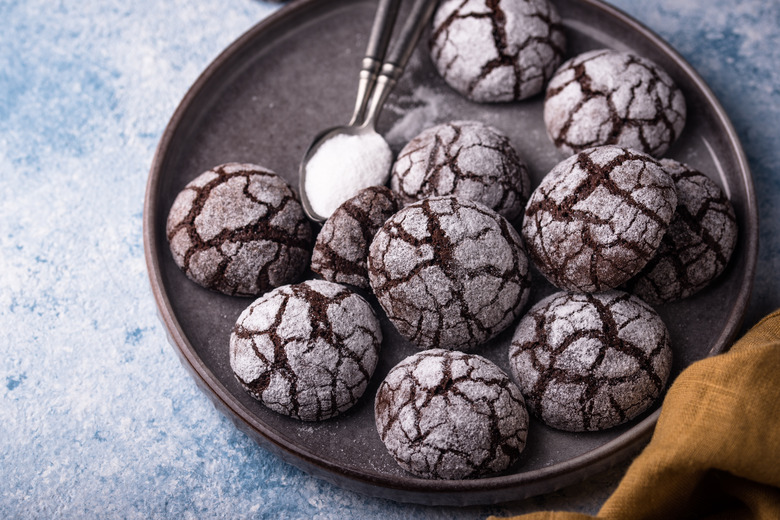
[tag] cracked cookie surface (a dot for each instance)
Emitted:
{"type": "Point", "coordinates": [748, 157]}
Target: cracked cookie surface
{"type": "Point", "coordinates": [610, 97]}
{"type": "Point", "coordinates": [598, 217]}
{"type": "Point", "coordinates": [497, 50]}
{"type": "Point", "coordinates": [449, 273]}
{"type": "Point", "coordinates": [341, 247]}
{"type": "Point", "coordinates": [587, 362]}
{"type": "Point", "coordinates": [450, 415]}
{"type": "Point", "coordinates": [306, 350]}
{"type": "Point", "coordinates": [698, 245]}
{"type": "Point", "coordinates": [240, 230]}
{"type": "Point", "coordinates": [466, 159]}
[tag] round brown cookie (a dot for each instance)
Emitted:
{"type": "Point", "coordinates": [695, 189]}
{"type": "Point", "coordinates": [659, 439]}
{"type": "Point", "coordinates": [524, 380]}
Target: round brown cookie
{"type": "Point", "coordinates": [610, 97]}
{"type": "Point", "coordinates": [499, 50]}
{"type": "Point", "coordinates": [240, 230]}
{"type": "Point", "coordinates": [449, 273]}
{"type": "Point", "coordinates": [698, 244]}
{"type": "Point", "coordinates": [450, 415]}
{"type": "Point", "coordinates": [598, 217]}
{"type": "Point", "coordinates": [465, 159]}
{"type": "Point", "coordinates": [588, 362]}
{"type": "Point", "coordinates": [342, 244]}
{"type": "Point", "coordinates": [306, 350]}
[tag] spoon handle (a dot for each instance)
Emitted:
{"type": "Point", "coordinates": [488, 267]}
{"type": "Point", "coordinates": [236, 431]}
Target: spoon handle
{"type": "Point", "coordinates": [378, 40]}
{"type": "Point", "coordinates": [410, 32]}
{"type": "Point", "coordinates": [398, 57]}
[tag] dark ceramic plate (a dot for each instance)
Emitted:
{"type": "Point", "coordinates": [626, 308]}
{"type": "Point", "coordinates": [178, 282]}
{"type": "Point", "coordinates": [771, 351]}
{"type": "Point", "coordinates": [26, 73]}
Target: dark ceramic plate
{"type": "Point", "coordinates": [295, 73]}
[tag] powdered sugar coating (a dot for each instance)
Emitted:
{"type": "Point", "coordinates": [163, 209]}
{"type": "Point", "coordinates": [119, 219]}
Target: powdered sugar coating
{"type": "Point", "coordinates": [588, 362]}
{"type": "Point", "coordinates": [466, 159]}
{"type": "Point", "coordinates": [306, 350]}
{"type": "Point", "coordinates": [610, 97]}
{"type": "Point", "coordinates": [449, 273]}
{"type": "Point", "coordinates": [498, 50]}
{"type": "Point", "coordinates": [450, 415]}
{"type": "Point", "coordinates": [598, 217]}
{"type": "Point", "coordinates": [701, 238]}
{"type": "Point", "coordinates": [342, 245]}
{"type": "Point", "coordinates": [240, 230]}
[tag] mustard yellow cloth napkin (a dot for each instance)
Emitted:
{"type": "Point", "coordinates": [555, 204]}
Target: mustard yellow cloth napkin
{"type": "Point", "coordinates": [715, 452]}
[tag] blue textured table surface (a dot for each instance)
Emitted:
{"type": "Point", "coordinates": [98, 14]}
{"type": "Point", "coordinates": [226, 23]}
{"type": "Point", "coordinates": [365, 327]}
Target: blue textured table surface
{"type": "Point", "coordinates": [97, 416]}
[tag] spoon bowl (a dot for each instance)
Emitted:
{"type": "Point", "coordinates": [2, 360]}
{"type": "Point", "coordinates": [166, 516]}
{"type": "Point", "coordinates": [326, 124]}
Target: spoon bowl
{"type": "Point", "coordinates": [339, 163]}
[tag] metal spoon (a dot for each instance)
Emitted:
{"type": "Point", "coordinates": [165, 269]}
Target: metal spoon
{"type": "Point", "coordinates": [377, 79]}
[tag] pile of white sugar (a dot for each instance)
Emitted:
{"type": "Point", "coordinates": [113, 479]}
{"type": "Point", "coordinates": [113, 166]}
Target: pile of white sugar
{"type": "Point", "coordinates": [342, 166]}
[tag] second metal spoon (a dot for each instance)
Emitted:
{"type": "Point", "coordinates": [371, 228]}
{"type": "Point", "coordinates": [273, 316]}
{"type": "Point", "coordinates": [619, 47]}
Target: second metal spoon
{"type": "Point", "coordinates": [378, 77]}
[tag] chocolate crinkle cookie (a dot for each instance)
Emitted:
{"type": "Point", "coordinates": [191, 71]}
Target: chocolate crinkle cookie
{"type": "Point", "coordinates": [240, 230]}
{"type": "Point", "coordinates": [698, 245]}
{"type": "Point", "coordinates": [497, 50]}
{"type": "Point", "coordinates": [341, 247]}
{"type": "Point", "coordinates": [449, 272]}
{"type": "Point", "coordinates": [588, 362]}
{"type": "Point", "coordinates": [598, 217]}
{"type": "Point", "coordinates": [610, 97]}
{"type": "Point", "coordinates": [307, 350]}
{"type": "Point", "coordinates": [451, 415]}
{"type": "Point", "coordinates": [465, 159]}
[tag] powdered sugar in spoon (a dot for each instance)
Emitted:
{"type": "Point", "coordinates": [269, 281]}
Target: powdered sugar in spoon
{"type": "Point", "coordinates": [343, 160]}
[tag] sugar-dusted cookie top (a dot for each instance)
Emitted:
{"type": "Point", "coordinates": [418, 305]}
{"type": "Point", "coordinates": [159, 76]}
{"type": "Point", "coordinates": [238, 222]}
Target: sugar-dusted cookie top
{"type": "Point", "coordinates": [240, 230]}
{"type": "Point", "coordinates": [610, 97]}
{"type": "Point", "coordinates": [588, 362]}
{"type": "Point", "coordinates": [502, 50]}
{"type": "Point", "coordinates": [306, 350]}
{"type": "Point", "coordinates": [701, 238]}
{"type": "Point", "coordinates": [466, 159]}
{"type": "Point", "coordinates": [449, 272]}
{"type": "Point", "coordinates": [598, 217]}
{"type": "Point", "coordinates": [341, 247]}
{"type": "Point", "coordinates": [450, 415]}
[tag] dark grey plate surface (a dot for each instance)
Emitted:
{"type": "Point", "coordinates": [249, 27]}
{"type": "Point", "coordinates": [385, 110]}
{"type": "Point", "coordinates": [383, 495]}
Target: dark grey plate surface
{"type": "Point", "coordinates": [295, 73]}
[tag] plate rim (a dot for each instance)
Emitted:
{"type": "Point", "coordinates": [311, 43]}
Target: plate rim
{"type": "Point", "coordinates": [493, 489]}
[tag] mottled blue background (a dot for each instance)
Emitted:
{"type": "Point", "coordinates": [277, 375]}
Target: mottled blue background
{"type": "Point", "coordinates": [97, 417]}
